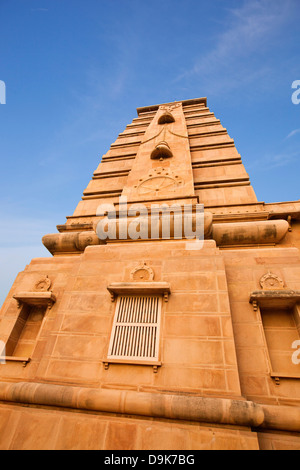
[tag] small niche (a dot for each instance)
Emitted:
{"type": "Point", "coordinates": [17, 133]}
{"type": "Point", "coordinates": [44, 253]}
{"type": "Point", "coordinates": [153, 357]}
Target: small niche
{"type": "Point", "coordinates": [166, 118]}
{"type": "Point", "coordinates": [161, 151]}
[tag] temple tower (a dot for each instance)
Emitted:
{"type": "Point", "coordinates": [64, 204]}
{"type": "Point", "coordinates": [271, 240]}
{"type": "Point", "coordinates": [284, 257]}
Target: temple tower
{"type": "Point", "coordinates": [132, 337]}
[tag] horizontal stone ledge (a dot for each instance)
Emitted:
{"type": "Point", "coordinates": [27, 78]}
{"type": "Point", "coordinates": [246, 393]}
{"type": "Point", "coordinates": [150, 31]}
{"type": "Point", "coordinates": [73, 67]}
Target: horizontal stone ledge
{"type": "Point", "coordinates": [134, 143]}
{"type": "Point", "coordinates": [200, 114]}
{"type": "Point", "coordinates": [102, 195]}
{"type": "Point", "coordinates": [225, 234]}
{"type": "Point", "coordinates": [72, 242]}
{"type": "Point", "coordinates": [219, 180]}
{"type": "Point", "coordinates": [110, 174]}
{"type": "Point", "coordinates": [76, 241]}
{"type": "Point", "coordinates": [207, 134]}
{"type": "Point", "coordinates": [131, 134]}
{"type": "Point", "coordinates": [250, 233]}
{"type": "Point", "coordinates": [220, 145]}
{"type": "Point", "coordinates": [193, 112]}
{"type": "Point", "coordinates": [141, 288]}
{"type": "Point", "coordinates": [214, 163]}
{"type": "Point", "coordinates": [199, 187]}
{"type": "Point", "coordinates": [283, 298]}
{"type": "Point", "coordinates": [213, 122]}
{"type": "Point", "coordinates": [35, 299]}
{"type": "Point", "coordinates": [154, 405]}
{"type": "Point", "coordinates": [283, 418]}
{"type": "Point", "coordinates": [113, 158]}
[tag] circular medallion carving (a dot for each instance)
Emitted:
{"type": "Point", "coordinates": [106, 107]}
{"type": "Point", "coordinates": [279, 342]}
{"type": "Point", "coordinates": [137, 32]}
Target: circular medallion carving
{"type": "Point", "coordinates": [271, 282]}
{"type": "Point", "coordinates": [142, 272]}
{"type": "Point", "coordinates": [43, 285]}
{"type": "Point", "coordinates": [159, 181]}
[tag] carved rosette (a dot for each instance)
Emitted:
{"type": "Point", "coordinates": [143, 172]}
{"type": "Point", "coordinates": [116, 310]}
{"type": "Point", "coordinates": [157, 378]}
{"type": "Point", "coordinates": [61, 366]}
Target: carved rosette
{"type": "Point", "coordinates": [42, 285]}
{"type": "Point", "coordinates": [169, 107]}
{"type": "Point", "coordinates": [142, 272]}
{"type": "Point", "coordinates": [271, 281]}
{"type": "Point", "coordinates": [159, 181]}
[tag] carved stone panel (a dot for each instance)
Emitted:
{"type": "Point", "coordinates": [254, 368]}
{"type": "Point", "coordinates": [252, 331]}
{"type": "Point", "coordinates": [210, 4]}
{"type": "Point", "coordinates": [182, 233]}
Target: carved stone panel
{"type": "Point", "coordinates": [42, 285]}
{"type": "Point", "coordinates": [142, 272]}
{"type": "Point", "coordinates": [158, 182]}
{"type": "Point", "coordinates": [271, 281]}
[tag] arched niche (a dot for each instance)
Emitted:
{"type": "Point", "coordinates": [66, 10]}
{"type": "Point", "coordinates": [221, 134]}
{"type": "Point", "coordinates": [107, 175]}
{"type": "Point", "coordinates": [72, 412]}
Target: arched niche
{"type": "Point", "coordinates": [166, 118]}
{"type": "Point", "coordinates": [161, 151]}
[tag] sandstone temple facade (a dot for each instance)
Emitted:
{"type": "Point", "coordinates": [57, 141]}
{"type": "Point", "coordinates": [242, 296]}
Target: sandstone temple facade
{"type": "Point", "coordinates": [159, 342]}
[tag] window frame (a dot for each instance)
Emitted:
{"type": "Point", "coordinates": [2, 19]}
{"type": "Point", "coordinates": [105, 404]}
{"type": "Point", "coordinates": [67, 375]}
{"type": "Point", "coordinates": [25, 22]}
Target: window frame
{"type": "Point", "coordinates": [277, 300]}
{"type": "Point", "coordinates": [132, 302]}
{"type": "Point", "coordinates": [161, 290]}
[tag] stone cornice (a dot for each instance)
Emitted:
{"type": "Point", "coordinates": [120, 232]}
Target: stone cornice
{"type": "Point", "coordinates": [224, 411]}
{"type": "Point", "coordinates": [147, 109]}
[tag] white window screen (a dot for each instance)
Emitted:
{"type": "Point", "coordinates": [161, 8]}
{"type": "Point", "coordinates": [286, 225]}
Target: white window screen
{"type": "Point", "coordinates": [135, 333]}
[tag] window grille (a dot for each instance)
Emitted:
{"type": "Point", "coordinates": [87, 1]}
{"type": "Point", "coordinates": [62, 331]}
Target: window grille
{"type": "Point", "coordinates": [135, 333]}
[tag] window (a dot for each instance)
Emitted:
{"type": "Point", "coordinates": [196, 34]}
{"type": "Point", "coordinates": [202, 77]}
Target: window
{"type": "Point", "coordinates": [135, 332]}
{"type": "Point", "coordinates": [23, 337]}
{"type": "Point", "coordinates": [281, 328]}
{"type": "Point", "coordinates": [24, 334]}
{"type": "Point", "coordinates": [280, 315]}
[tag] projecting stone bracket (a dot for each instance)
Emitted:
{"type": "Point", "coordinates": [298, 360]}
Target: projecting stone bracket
{"type": "Point", "coordinates": [155, 365]}
{"type": "Point", "coordinates": [72, 242]}
{"type": "Point", "coordinates": [266, 232]}
{"type": "Point", "coordinates": [139, 288]}
{"type": "Point", "coordinates": [35, 299]}
{"type": "Point", "coordinates": [282, 298]}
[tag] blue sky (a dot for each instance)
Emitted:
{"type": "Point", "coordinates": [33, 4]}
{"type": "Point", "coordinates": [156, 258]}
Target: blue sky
{"type": "Point", "coordinates": [75, 72]}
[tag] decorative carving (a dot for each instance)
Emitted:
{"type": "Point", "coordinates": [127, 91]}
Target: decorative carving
{"type": "Point", "coordinates": [85, 239]}
{"type": "Point", "coordinates": [166, 118]}
{"type": "Point", "coordinates": [169, 107]}
{"type": "Point", "coordinates": [159, 180]}
{"type": "Point", "coordinates": [161, 151]}
{"type": "Point", "coordinates": [164, 130]}
{"type": "Point", "coordinates": [43, 285]}
{"type": "Point", "coordinates": [70, 242]}
{"type": "Point", "coordinates": [271, 281]}
{"type": "Point", "coordinates": [142, 272]}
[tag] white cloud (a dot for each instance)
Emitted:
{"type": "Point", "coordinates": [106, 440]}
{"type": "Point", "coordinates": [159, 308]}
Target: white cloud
{"type": "Point", "coordinates": [249, 31]}
{"type": "Point", "coordinates": [294, 132]}
{"type": "Point", "coordinates": [279, 160]}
